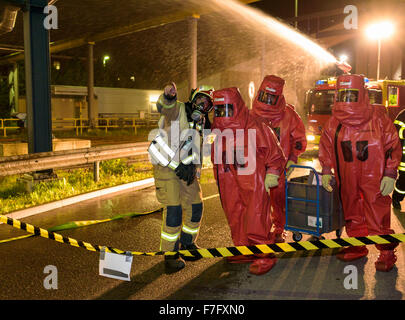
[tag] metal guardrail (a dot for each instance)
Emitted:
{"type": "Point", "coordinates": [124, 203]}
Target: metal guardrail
{"type": "Point", "coordinates": [66, 158]}
{"type": "Point", "coordinates": [4, 125]}
{"type": "Point", "coordinates": [80, 124]}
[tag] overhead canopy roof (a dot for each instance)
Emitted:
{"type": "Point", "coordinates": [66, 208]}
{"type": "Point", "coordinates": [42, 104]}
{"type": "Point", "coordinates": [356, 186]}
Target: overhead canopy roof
{"type": "Point", "coordinates": [149, 40]}
{"type": "Point", "coordinates": [92, 20]}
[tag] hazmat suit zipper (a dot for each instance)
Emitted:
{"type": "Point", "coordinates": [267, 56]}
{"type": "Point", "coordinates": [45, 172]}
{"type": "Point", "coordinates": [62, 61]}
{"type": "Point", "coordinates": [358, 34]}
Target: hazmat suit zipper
{"type": "Point", "coordinates": [339, 127]}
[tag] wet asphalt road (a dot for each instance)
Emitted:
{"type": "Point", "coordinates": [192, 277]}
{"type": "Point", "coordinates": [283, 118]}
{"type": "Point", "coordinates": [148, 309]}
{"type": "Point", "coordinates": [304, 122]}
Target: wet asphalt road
{"type": "Point", "coordinates": [303, 275]}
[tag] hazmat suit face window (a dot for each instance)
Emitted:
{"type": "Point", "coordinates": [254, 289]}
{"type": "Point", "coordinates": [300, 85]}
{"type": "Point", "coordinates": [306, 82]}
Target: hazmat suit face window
{"type": "Point", "coordinates": [348, 95]}
{"type": "Point", "coordinates": [268, 98]}
{"type": "Point", "coordinates": [224, 111]}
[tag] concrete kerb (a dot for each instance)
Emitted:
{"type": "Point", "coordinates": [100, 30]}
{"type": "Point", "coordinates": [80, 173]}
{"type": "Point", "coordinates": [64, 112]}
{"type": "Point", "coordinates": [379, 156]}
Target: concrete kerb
{"type": "Point", "coordinates": [132, 186]}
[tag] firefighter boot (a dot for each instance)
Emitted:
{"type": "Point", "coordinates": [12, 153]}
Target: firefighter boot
{"type": "Point", "coordinates": [173, 263]}
{"type": "Point", "coordinates": [396, 199]}
{"type": "Point", "coordinates": [193, 246]}
{"type": "Point", "coordinates": [352, 253]}
{"type": "Point", "coordinates": [396, 203]}
{"type": "Point", "coordinates": [386, 260]}
{"type": "Point", "coordinates": [279, 237]}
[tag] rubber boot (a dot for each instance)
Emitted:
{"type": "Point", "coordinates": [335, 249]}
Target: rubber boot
{"type": "Point", "coordinates": [174, 263]}
{"type": "Point", "coordinates": [192, 246]}
{"type": "Point", "coordinates": [352, 253]}
{"type": "Point", "coordinates": [263, 264]}
{"type": "Point", "coordinates": [386, 260]}
{"type": "Point", "coordinates": [279, 237]}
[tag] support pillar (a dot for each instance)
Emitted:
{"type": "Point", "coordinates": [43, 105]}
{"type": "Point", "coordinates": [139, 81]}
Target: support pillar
{"type": "Point", "coordinates": [90, 84]}
{"type": "Point", "coordinates": [193, 22]}
{"type": "Point", "coordinates": [16, 89]}
{"type": "Point", "coordinates": [263, 58]}
{"type": "Point", "coordinates": [96, 171]}
{"type": "Point", "coordinates": [36, 46]}
{"type": "Point", "coordinates": [378, 58]}
{"type": "Point", "coordinates": [403, 63]}
{"type": "Point", "coordinates": [13, 82]}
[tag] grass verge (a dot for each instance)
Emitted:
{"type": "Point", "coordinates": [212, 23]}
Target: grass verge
{"type": "Point", "coordinates": [13, 195]}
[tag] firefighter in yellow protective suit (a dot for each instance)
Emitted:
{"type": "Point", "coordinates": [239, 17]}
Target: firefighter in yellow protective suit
{"type": "Point", "coordinates": [399, 191]}
{"type": "Point", "coordinates": [176, 155]}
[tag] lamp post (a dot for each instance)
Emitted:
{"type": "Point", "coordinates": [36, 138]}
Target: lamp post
{"type": "Point", "coordinates": [380, 31]}
{"type": "Point", "coordinates": [251, 93]}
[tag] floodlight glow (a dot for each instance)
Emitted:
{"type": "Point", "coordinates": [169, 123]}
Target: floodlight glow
{"type": "Point", "coordinates": [380, 30]}
{"type": "Point", "coordinates": [310, 137]}
{"type": "Point", "coordinates": [153, 98]}
{"type": "Point", "coordinates": [343, 58]}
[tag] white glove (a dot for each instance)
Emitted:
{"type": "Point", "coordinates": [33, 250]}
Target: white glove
{"type": "Point", "coordinates": [270, 181]}
{"type": "Point", "coordinates": [287, 167]}
{"type": "Point", "coordinates": [326, 182]}
{"type": "Point", "coordinates": [387, 186]}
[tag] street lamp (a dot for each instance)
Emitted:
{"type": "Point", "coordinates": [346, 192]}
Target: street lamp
{"type": "Point", "coordinates": [251, 92]}
{"type": "Point", "coordinates": [105, 59]}
{"type": "Point", "coordinates": [379, 31]}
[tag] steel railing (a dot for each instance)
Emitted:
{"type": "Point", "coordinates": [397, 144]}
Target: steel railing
{"type": "Point", "coordinates": [4, 125]}
{"type": "Point", "coordinates": [82, 124]}
{"type": "Point", "coordinates": [67, 158]}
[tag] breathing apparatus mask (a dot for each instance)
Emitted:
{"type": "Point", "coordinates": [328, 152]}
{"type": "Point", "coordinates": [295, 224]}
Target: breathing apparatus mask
{"type": "Point", "coordinates": [201, 100]}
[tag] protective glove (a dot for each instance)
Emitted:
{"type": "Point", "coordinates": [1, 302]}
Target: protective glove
{"type": "Point", "coordinates": [270, 181]}
{"type": "Point", "coordinates": [326, 178]}
{"type": "Point", "coordinates": [198, 173]}
{"type": "Point", "coordinates": [387, 185]}
{"type": "Point", "coordinates": [170, 91]}
{"type": "Point", "coordinates": [181, 171]}
{"type": "Point", "coordinates": [287, 167]}
{"type": "Point", "coordinates": [186, 172]}
{"type": "Point", "coordinates": [192, 175]}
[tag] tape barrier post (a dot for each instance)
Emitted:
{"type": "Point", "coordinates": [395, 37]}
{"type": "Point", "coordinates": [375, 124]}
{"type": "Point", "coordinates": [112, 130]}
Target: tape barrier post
{"type": "Point", "coordinates": [218, 252]}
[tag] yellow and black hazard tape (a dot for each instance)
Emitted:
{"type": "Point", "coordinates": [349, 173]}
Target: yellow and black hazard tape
{"type": "Point", "coordinates": [85, 223]}
{"type": "Point", "coordinates": [217, 252]}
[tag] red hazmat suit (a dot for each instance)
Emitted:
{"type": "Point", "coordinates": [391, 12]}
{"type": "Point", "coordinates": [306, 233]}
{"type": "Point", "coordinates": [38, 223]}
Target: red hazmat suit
{"type": "Point", "coordinates": [362, 146]}
{"type": "Point", "coordinates": [270, 105]}
{"type": "Point", "coordinates": [241, 183]}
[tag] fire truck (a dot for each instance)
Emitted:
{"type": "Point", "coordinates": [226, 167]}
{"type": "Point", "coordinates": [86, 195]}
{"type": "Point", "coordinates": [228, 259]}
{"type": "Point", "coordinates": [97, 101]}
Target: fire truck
{"type": "Point", "coordinates": [388, 95]}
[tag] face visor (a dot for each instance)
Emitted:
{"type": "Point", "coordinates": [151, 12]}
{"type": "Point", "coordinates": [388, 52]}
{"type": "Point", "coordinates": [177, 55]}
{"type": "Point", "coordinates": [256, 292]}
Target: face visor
{"type": "Point", "coordinates": [223, 111]}
{"type": "Point", "coordinates": [348, 95]}
{"type": "Point", "coordinates": [267, 98]}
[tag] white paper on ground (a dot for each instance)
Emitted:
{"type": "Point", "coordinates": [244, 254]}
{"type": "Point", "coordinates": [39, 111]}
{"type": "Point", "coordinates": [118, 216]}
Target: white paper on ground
{"type": "Point", "coordinates": [116, 266]}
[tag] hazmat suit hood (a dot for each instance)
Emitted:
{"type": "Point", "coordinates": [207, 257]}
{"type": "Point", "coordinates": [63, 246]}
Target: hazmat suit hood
{"type": "Point", "coordinates": [352, 106]}
{"type": "Point", "coordinates": [230, 111]}
{"type": "Point", "coordinates": [269, 102]}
